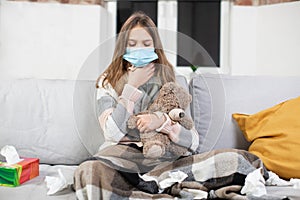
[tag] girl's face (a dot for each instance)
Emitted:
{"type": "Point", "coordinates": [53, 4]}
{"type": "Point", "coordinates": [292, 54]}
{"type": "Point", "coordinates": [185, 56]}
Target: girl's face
{"type": "Point", "coordinates": [139, 38]}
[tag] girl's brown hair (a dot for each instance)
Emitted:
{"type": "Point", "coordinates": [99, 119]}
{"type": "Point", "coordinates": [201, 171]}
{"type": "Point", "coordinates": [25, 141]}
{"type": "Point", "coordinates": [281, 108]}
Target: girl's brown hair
{"type": "Point", "coordinates": [118, 67]}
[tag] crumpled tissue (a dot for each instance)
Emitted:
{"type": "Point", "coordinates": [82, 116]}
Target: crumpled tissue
{"type": "Point", "coordinates": [11, 155]}
{"type": "Point", "coordinates": [166, 180]}
{"type": "Point", "coordinates": [254, 184]}
{"type": "Point", "coordinates": [171, 178]}
{"type": "Point", "coordinates": [56, 184]}
{"type": "Point", "coordinates": [295, 182]}
{"type": "Point", "coordinates": [275, 180]}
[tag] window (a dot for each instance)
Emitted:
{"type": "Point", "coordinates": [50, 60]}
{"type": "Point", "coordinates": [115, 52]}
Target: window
{"type": "Point", "coordinates": [126, 8]}
{"type": "Point", "coordinates": [199, 20]}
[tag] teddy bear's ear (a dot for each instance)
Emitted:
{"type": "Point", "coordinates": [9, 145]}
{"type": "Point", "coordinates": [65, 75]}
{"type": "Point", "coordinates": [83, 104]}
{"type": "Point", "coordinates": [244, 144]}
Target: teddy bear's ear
{"type": "Point", "coordinates": [171, 85]}
{"type": "Point", "coordinates": [184, 98]}
{"type": "Point", "coordinates": [163, 90]}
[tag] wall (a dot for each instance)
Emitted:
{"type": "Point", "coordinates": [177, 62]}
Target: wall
{"type": "Point", "coordinates": [264, 40]}
{"type": "Point", "coordinates": [259, 2]}
{"type": "Point", "coordinates": [243, 44]}
{"type": "Point", "coordinates": [278, 39]}
{"type": "Point", "coordinates": [49, 40]}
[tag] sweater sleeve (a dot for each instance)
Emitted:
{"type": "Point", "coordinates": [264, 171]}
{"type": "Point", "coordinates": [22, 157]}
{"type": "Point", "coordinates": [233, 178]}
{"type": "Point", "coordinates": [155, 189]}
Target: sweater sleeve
{"type": "Point", "coordinates": [113, 112]}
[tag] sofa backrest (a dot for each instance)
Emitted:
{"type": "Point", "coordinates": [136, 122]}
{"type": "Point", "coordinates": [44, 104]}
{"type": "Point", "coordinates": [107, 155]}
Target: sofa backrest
{"type": "Point", "coordinates": [216, 97]}
{"type": "Point", "coordinates": [53, 120]}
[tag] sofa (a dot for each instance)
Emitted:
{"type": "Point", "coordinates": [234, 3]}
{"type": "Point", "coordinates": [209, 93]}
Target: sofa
{"type": "Point", "coordinates": [56, 121]}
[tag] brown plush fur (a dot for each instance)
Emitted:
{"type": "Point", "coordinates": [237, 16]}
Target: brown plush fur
{"type": "Point", "coordinates": [157, 145]}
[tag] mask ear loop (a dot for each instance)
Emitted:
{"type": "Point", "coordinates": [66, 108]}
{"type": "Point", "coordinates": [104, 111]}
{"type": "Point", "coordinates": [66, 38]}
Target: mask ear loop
{"type": "Point", "coordinates": [132, 68]}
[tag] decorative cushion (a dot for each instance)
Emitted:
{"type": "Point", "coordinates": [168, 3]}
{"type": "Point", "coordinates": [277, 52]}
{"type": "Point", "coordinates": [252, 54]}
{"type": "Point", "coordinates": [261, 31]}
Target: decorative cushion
{"type": "Point", "coordinates": [275, 136]}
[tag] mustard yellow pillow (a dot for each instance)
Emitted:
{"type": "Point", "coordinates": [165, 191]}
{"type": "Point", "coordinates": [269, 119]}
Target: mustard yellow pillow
{"type": "Point", "coordinates": [275, 137]}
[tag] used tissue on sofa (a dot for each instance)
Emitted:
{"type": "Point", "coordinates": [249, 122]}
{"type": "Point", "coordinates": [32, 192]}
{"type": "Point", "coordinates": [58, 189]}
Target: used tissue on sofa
{"type": "Point", "coordinates": [15, 170]}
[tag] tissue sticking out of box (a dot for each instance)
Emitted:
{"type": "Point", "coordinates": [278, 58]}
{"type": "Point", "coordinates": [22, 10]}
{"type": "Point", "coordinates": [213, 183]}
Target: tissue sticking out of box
{"type": "Point", "coordinates": [11, 155]}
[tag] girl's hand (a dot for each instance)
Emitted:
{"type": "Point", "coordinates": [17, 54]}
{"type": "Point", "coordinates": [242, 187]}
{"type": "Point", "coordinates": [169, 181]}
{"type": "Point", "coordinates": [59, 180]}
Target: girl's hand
{"type": "Point", "coordinates": [149, 122]}
{"type": "Point", "coordinates": [139, 76]}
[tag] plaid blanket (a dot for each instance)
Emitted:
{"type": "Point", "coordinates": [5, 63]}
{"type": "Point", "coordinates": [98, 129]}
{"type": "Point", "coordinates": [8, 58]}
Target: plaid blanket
{"type": "Point", "coordinates": [121, 172]}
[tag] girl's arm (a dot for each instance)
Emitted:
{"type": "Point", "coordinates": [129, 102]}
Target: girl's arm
{"type": "Point", "coordinates": [114, 112]}
{"type": "Point", "coordinates": [179, 135]}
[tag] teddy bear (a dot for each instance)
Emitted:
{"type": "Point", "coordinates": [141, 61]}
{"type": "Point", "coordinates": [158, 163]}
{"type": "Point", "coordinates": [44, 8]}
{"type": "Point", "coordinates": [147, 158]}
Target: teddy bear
{"type": "Point", "coordinates": [172, 99]}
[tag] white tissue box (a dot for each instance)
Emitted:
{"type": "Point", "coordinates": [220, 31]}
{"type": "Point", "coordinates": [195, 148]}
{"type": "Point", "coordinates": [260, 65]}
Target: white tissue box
{"type": "Point", "coordinates": [16, 174]}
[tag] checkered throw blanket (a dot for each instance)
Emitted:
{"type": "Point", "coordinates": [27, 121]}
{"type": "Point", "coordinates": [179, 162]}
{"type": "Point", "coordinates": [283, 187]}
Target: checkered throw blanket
{"type": "Point", "coordinates": [121, 171]}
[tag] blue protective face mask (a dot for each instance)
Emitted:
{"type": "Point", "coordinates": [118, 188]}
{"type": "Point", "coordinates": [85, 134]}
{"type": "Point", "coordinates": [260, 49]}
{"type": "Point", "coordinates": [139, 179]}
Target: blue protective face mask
{"type": "Point", "coordinates": [140, 57]}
